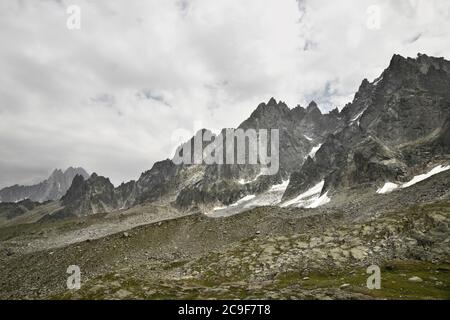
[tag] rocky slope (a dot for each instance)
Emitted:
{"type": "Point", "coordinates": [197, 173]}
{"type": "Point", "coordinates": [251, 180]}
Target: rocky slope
{"type": "Point", "coordinates": [272, 253]}
{"type": "Point", "coordinates": [52, 188]}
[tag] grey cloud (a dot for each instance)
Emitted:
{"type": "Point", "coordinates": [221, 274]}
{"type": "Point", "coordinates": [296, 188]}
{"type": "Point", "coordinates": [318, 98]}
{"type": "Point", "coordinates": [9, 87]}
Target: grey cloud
{"type": "Point", "coordinates": [149, 94]}
{"type": "Point", "coordinates": [98, 97]}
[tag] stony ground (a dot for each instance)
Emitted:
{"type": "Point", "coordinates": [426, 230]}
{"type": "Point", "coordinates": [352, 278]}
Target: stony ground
{"type": "Point", "coordinates": [412, 247]}
{"type": "Point", "coordinates": [269, 253]}
{"type": "Point", "coordinates": [310, 257]}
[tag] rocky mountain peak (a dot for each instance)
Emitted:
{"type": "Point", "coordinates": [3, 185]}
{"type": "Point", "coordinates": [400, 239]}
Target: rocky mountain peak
{"type": "Point", "coordinates": [272, 102]}
{"type": "Point", "coordinates": [312, 105]}
{"type": "Point", "coordinates": [313, 108]}
{"type": "Point", "coordinates": [334, 112]}
{"type": "Point", "coordinates": [94, 195]}
{"type": "Point", "coordinates": [396, 60]}
{"type": "Point", "coordinates": [57, 172]}
{"type": "Point", "coordinates": [412, 68]}
{"type": "Point", "coordinates": [298, 113]}
{"type": "Point", "coordinates": [75, 190]}
{"type": "Point", "coordinates": [267, 115]}
{"type": "Point", "coordinates": [78, 180]}
{"type": "Point", "coordinates": [76, 170]}
{"type": "Point", "coordinates": [273, 105]}
{"type": "Point", "coordinates": [162, 166]}
{"type": "Point", "coordinates": [393, 124]}
{"type": "Point", "coordinates": [364, 84]}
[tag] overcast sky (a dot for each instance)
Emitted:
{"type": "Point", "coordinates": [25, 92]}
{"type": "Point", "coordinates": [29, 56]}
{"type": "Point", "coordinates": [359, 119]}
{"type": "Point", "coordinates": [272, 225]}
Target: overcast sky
{"type": "Point", "coordinates": [111, 96]}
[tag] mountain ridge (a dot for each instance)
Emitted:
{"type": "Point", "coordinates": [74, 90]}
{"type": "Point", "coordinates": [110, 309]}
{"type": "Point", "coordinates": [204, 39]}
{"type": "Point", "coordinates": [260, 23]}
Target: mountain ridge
{"type": "Point", "coordinates": [365, 143]}
{"type": "Point", "coordinates": [52, 188]}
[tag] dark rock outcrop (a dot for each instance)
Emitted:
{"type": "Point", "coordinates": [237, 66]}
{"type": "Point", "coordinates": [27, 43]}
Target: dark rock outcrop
{"type": "Point", "coordinates": [94, 195]}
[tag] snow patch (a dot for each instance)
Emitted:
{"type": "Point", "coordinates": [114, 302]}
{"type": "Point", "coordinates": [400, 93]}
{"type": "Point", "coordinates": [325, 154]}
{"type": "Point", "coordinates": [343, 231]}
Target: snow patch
{"type": "Point", "coordinates": [313, 151]}
{"type": "Point", "coordinates": [377, 80]}
{"type": "Point", "coordinates": [358, 116]}
{"type": "Point", "coordinates": [242, 181]}
{"type": "Point", "coordinates": [425, 176]}
{"type": "Point", "coordinates": [389, 186]}
{"type": "Point", "coordinates": [310, 139]}
{"type": "Point", "coordinates": [319, 201]}
{"type": "Point", "coordinates": [244, 199]}
{"type": "Point", "coordinates": [280, 187]}
{"type": "Point", "coordinates": [271, 197]}
{"type": "Point", "coordinates": [308, 198]}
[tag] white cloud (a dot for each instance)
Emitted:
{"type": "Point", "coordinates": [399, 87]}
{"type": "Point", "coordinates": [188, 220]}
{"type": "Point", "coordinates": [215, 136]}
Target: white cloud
{"type": "Point", "coordinates": [107, 97]}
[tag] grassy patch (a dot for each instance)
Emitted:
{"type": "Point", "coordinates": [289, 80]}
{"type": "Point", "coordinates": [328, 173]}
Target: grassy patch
{"type": "Point", "coordinates": [395, 282]}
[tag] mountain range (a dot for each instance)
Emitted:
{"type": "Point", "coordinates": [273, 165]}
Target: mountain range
{"type": "Point", "coordinates": [396, 127]}
{"type": "Point", "coordinates": [53, 188]}
{"type": "Point", "coordinates": [364, 186]}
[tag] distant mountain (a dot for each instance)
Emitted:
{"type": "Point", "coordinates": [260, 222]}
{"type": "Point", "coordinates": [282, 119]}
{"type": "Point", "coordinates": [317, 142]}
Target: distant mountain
{"type": "Point", "coordinates": [52, 188]}
{"type": "Point", "coordinates": [396, 127]}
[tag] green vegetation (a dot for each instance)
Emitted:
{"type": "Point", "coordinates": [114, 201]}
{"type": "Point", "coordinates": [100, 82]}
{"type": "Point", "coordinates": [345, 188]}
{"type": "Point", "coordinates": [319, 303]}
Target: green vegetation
{"type": "Point", "coordinates": [395, 284]}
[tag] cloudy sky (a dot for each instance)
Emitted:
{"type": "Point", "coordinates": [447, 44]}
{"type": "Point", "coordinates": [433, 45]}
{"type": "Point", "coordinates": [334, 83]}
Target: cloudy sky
{"type": "Point", "coordinates": [114, 95]}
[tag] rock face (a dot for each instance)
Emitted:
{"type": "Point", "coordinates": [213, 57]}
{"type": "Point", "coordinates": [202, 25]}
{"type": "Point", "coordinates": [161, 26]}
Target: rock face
{"type": "Point", "coordinates": [98, 195]}
{"type": "Point", "coordinates": [300, 129]}
{"type": "Point", "coordinates": [394, 125]}
{"type": "Point", "coordinates": [94, 195]}
{"type": "Point", "coordinates": [199, 186]}
{"type": "Point", "coordinates": [51, 189]}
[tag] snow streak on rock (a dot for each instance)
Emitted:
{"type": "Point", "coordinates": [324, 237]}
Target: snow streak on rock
{"type": "Point", "coordinates": [309, 199]}
{"type": "Point", "coordinates": [313, 151]}
{"type": "Point", "coordinates": [389, 186]}
{"type": "Point", "coordinates": [271, 197]}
